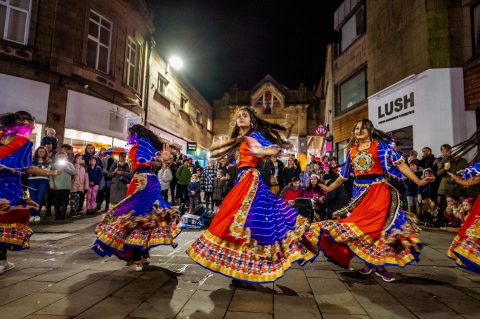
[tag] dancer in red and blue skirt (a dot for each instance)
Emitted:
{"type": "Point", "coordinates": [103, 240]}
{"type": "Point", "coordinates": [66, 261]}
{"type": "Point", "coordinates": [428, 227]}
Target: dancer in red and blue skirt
{"type": "Point", "coordinates": [15, 159]}
{"type": "Point", "coordinates": [465, 248]}
{"type": "Point", "coordinates": [144, 219]}
{"type": "Point", "coordinates": [376, 229]}
{"type": "Point", "coordinates": [255, 236]}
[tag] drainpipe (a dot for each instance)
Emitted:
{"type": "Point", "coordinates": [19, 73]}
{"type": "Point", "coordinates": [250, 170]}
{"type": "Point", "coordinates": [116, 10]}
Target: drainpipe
{"type": "Point", "coordinates": [150, 47]}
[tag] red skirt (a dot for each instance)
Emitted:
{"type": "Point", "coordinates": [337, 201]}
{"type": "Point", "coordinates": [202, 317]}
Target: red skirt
{"type": "Point", "coordinates": [14, 231]}
{"type": "Point", "coordinates": [377, 231]}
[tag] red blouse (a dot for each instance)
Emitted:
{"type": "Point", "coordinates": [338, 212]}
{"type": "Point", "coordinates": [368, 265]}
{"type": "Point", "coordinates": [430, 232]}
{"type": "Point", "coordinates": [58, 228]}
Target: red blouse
{"type": "Point", "coordinates": [366, 162]}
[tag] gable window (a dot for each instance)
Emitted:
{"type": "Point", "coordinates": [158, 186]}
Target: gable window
{"type": "Point", "coordinates": [199, 117]}
{"type": "Point", "coordinates": [132, 64]}
{"type": "Point", "coordinates": [267, 101]}
{"type": "Point", "coordinates": [15, 20]}
{"type": "Point", "coordinates": [99, 42]}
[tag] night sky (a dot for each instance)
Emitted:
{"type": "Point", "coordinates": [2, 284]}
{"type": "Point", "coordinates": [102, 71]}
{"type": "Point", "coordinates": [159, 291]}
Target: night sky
{"type": "Point", "coordinates": [224, 43]}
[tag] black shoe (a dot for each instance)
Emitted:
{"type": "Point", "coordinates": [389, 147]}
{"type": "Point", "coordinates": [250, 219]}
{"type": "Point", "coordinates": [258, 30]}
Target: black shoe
{"type": "Point", "coordinates": [240, 284]}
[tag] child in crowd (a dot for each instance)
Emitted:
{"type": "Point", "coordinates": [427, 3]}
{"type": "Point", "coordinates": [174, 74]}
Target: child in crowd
{"type": "Point", "coordinates": [61, 184]}
{"type": "Point", "coordinates": [79, 185]}
{"type": "Point", "coordinates": [219, 188]}
{"type": "Point", "coordinates": [467, 204]}
{"type": "Point", "coordinates": [274, 187]}
{"type": "Point", "coordinates": [95, 175]}
{"type": "Point", "coordinates": [38, 185]}
{"type": "Point", "coordinates": [412, 190]}
{"type": "Point", "coordinates": [193, 189]}
{"type": "Point", "coordinates": [454, 212]}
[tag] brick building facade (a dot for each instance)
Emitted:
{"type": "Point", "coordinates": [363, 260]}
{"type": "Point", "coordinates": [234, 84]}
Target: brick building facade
{"type": "Point", "coordinates": [81, 67]}
{"type": "Point", "coordinates": [401, 64]}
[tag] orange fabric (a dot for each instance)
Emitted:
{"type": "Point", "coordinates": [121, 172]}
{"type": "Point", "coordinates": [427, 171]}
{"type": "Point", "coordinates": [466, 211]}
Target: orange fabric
{"type": "Point", "coordinates": [372, 152]}
{"type": "Point", "coordinates": [246, 157]}
{"type": "Point", "coordinates": [370, 216]}
{"type": "Point", "coordinates": [230, 205]}
{"type": "Point", "coordinates": [13, 146]}
{"type": "Point", "coordinates": [132, 155]}
{"type": "Point", "coordinates": [132, 186]}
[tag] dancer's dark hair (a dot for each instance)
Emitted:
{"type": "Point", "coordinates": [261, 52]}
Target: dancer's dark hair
{"type": "Point", "coordinates": [270, 130]}
{"type": "Point", "coordinates": [463, 148]}
{"type": "Point", "coordinates": [375, 134]}
{"type": "Point", "coordinates": [8, 120]}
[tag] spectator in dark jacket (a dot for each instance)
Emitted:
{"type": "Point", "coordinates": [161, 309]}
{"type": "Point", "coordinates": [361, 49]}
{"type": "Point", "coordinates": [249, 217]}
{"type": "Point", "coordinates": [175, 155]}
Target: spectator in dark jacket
{"type": "Point", "coordinates": [336, 199]}
{"type": "Point", "coordinates": [50, 139]}
{"type": "Point", "coordinates": [219, 188]}
{"type": "Point", "coordinates": [278, 168]}
{"type": "Point", "coordinates": [411, 190]}
{"type": "Point", "coordinates": [427, 158]}
{"type": "Point", "coordinates": [291, 170]}
{"type": "Point", "coordinates": [183, 175]}
{"type": "Point", "coordinates": [208, 176]}
{"type": "Point", "coordinates": [193, 189]}
{"type": "Point", "coordinates": [265, 168]}
{"type": "Point", "coordinates": [95, 175]}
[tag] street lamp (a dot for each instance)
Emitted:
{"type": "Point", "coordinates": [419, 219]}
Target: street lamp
{"type": "Point", "coordinates": [176, 62]}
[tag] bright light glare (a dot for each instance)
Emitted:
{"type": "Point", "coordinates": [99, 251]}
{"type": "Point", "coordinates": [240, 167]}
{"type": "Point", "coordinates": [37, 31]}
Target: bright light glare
{"type": "Point", "coordinates": [176, 62]}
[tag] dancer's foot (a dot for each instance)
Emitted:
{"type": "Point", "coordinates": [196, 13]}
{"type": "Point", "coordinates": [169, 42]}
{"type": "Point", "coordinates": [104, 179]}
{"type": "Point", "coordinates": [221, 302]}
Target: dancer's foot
{"type": "Point", "coordinates": [385, 275]}
{"type": "Point", "coordinates": [366, 270]}
{"type": "Point", "coordinates": [137, 266]}
{"type": "Point", "coordinates": [6, 266]}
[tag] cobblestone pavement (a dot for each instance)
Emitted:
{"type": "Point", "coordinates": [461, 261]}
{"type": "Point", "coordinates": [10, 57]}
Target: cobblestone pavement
{"type": "Point", "coordinates": [60, 277]}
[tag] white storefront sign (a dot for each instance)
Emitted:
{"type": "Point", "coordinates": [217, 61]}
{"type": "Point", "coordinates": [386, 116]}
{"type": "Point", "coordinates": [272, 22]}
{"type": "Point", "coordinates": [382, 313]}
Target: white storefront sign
{"type": "Point", "coordinates": [19, 94]}
{"type": "Point", "coordinates": [170, 137]}
{"type": "Point", "coordinates": [89, 114]}
{"type": "Point", "coordinates": [432, 102]}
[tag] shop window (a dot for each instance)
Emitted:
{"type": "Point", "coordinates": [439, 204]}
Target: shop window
{"type": "Point", "coordinates": [99, 42]}
{"type": "Point", "coordinates": [353, 28]}
{"type": "Point", "coordinates": [132, 64]}
{"type": "Point", "coordinates": [162, 85]}
{"type": "Point", "coordinates": [340, 147]}
{"type": "Point", "coordinates": [199, 117]}
{"type": "Point", "coordinates": [15, 20]}
{"type": "Point", "coordinates": [352, 92]}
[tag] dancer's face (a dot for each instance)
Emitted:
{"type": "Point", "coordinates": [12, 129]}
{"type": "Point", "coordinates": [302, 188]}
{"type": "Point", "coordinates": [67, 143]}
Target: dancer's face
{"type": "Point", "coordinates": [360, 132]}
{"type": "Point", "coordinates": [243, 119]}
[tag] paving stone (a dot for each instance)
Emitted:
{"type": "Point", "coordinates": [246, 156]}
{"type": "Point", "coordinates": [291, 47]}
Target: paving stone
{"type": "Point", "coordinates": [317, 273]}
{"type": "Point", "coordinates": [332, 296]}
{"type": "Point", "coordinates": [46, 317]}
{"type": "Point", "coordinates": [125, 300]}
{"type": "Point", "coordinates": [341, 316]}
{"type": "Point", "coordinates": [28, 305]}
{"type": "Point", "coordinates": [293, 282]}
{"type": "Point", "coordinates": [58, 274]}
{"type": "Point", "coordinates": [167, 302]}
{"type": "Point", "coordinates": [207, 304]}
{"type": "Point", "coordinates": [214, 282]}
{"type": "Point", "coordinates": [252, 300]}
{"type": "Point", "coordinates": [14, 276]}
{"type": "Point", "coordinates": [464, 306]}
{"type": "Point", "coordinates": [429, 308]}
{"type": "Point", "coordinates": [21, 289]}
{"type": "Point", "coordinates": [77, 281]}
{"type": "Point", "coordinates": [382, 305]}
{"type": "Point", "coordinates": [83, 299]}
{"type": "Point", "coordinates": [302, 306]}
{"type": "Point", "coordinates": [249, 315]}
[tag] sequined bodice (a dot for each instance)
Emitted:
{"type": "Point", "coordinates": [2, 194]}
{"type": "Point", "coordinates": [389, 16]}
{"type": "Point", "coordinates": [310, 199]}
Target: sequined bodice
{"type": "Point", "coordinates": [366, 162]}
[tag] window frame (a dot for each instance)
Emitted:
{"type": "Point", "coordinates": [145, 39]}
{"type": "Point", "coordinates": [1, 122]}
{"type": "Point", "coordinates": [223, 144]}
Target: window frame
{"type": "Point", "coordinates": [475, 45]}
{"type": "Point", "coordinates": [136, 65]}
{"type": "Point", "coordinates": [340, 157]}
{"type": "Point", "coordinates": [8, 9]}
{"type": "Point", "coordinates": [353, 16]}
{"type": "Point", "coordinates": [338, 92]}
{"type": "Point", "coordinates": [183, 103]}
{"type": "Point", "coordinates": [90, 37]}
{"type": "Point", "coordinates": [162, 79]}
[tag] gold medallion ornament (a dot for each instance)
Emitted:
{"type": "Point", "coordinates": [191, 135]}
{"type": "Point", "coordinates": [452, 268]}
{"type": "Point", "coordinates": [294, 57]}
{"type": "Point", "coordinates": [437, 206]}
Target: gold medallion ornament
{"type": "Point", "coordinates": [363, 161]}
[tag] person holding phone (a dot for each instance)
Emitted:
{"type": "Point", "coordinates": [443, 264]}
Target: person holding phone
{"type": "Point", "coordinates": [61, 184]}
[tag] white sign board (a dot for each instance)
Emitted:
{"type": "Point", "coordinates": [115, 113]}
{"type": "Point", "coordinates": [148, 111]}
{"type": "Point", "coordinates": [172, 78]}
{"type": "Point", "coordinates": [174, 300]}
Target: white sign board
{"type": "Point", "coordinates": [432, 102]}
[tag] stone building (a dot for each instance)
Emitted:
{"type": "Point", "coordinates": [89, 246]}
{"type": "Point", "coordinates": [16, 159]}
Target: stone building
{"type": "Point", "coordinates": [401, 65]}
{"type": "Point", "coordinates": [85, 68]}
{"type": "Point", "coordinates": [275, 103]}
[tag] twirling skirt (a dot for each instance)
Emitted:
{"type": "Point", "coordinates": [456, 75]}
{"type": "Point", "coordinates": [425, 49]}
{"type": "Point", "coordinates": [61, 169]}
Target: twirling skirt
{"type": "Point", "coordinates": [376, 230]}
{"type": "Point", "coordinates": [465, 248]}
{"type": "Point", "coordinates": [255, 236]}
{"type": "Point", "coordinates": [138, 223]}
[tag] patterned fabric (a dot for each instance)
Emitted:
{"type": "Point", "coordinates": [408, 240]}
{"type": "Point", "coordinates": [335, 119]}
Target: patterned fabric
{"type": "Point", "coordinates": [255, 236]}
{"type": "Point", "coordinates": [471, 171]}
{"type": "Point", "coordinates": [142, 154]}
{"type": "Point", "coordinates": [208, 176]}
{"type": "Point", "coordinates": [143, 220]}
{"type": "Point", "coordinates": [375, 228]}
{"type": "Point", "coordinates": [14, 214]}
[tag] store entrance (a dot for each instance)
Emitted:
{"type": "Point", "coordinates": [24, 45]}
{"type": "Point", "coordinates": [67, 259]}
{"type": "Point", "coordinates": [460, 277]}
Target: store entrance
{"type": "Point", "coordinates": [404, 138]}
